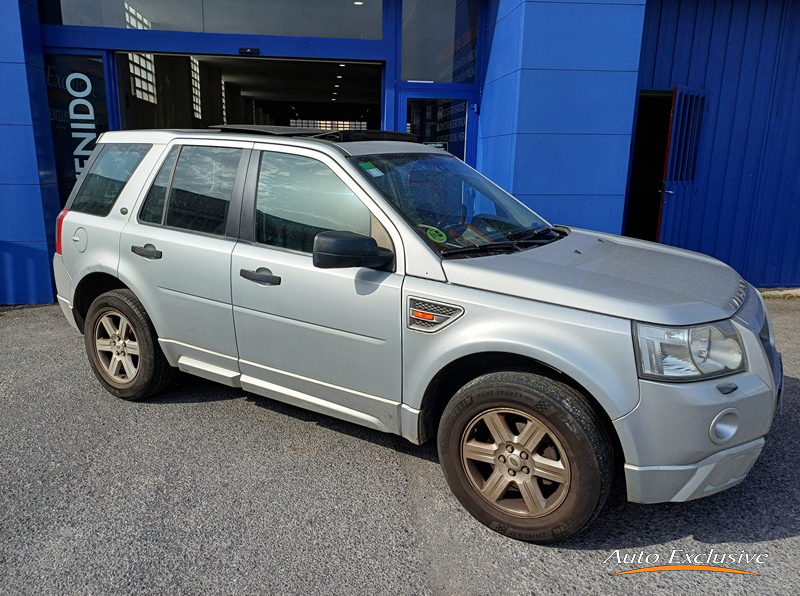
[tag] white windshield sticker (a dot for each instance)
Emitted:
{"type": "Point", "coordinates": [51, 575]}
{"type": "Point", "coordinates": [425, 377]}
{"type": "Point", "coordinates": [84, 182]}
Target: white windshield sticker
{"type": "Point", "coordinates": [372, 170]}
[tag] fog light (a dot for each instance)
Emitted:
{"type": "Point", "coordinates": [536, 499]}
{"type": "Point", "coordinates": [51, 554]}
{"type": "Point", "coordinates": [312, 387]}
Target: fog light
{"type": "Point", "coordinates": [724, 426]}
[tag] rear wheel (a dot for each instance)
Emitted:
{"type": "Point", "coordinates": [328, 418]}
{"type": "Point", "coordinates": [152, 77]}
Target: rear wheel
{"type": "Point", "coordinates": [122, 346]}
{"type": "Point", "coordinates": [526, 455]}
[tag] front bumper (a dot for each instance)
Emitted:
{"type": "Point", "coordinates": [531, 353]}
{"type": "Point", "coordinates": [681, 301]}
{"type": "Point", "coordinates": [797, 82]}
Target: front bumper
{"type": "Point", "coordinates": [689, 440]}
{"type": "Point", "coordinates": [656, 484]}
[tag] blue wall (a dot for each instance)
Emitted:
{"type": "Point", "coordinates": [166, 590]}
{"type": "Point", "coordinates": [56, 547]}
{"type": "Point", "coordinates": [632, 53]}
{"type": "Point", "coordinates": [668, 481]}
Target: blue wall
{"type": "Point", "coordinates": [558, 105]}
{"type": "Point", "coordinates": [28, 194]}
{"type": "Point", "coordinates": [745, 55]}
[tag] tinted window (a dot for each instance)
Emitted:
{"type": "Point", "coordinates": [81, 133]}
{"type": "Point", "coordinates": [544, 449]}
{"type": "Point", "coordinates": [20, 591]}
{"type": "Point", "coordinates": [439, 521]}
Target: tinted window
{"type": "Point", "coordinates": [153, 208]}
{"type": "Point", "coordinates": [440, 40]}
{"type": "Point", "coordinates": [201, 188]}
{"type": "Point", "coordinates": [300, 18]}
{"type": "Point", "coordinates": [299, 197]}
{"type": "Point", "coordinates": [107, 177]}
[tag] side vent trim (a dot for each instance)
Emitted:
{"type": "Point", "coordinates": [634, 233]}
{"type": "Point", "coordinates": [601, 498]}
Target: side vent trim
{"type": "Point", "coordinates": [741, 293]}
{"type": "Point", "coordinates": [429, 316]}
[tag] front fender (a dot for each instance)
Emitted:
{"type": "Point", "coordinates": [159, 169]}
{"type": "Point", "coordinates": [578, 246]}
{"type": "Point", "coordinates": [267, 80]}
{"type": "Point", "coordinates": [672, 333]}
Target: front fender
{"type": "Point", "coordinates": [594, 350]}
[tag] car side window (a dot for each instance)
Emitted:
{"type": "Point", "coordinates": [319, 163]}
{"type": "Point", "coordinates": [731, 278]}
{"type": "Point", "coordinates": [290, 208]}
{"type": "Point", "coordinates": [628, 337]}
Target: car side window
{"type": "Point", "coordinates": [153, 208]}
{"type": "Point", "coordinates": [107, 177]}
{"type": "Point", "coordinates": [298, 197]}
{"type": "Point", "coordinates": [201, 189]}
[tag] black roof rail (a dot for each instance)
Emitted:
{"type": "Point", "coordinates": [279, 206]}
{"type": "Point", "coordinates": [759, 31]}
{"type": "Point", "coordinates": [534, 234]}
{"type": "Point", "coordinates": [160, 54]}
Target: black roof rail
{"type": "Point", "coordinates": [337, 136]}
{"type": "Point", "coordinates": [348, 136]}
{"type": "Point", "coordinates": [264, 129]}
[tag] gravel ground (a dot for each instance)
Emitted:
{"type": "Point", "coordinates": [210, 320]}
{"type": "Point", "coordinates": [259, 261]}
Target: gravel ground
{"type": "Point", "coordinates": [210, 490]}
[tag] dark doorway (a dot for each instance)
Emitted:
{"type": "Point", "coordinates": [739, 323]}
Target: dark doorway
{"type": "Point", "coordinates": [649, 159]}
{"type": "Point", "coordinates": [182, 91]}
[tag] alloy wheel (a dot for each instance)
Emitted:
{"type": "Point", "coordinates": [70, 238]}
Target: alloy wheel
{"type": "Point", "coordinates": [514, 462]}
{"type": "Point", "coordinates": [117, 347]}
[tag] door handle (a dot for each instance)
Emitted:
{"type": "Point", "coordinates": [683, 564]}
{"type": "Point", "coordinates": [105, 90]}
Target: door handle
{"type": "Point", "coordinates": [148, 251]}
{"type": "Point", "coordinates": [264, 277]}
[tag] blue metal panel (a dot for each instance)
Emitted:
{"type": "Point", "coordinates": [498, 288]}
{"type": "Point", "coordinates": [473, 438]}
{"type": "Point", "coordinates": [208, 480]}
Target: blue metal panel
{"type": "Point", "coordinates": [577, 101]}
{"type": "Point", "coordinates": [26, 275]}
{"type": "Point", "coordinates": [494, 158]}
{"type": "Point", "coordinates": [26, 166]}
{"type": "Point", "coordinates": [593, 212]}
{"type": "Point", "coordinates": [564, 113]}
{"type": "Point", "coordinates": [22, 219]}
{"type": "Point", "coordinates": [499, 106]}
{"type": "Point", "coordinates": [746, 56]}
{"type": "Point", "coordinates": [577, 164]}
{"type": "Point", "coordinates": [582, 36]}
{"type": "Point", "coordinates": [503, 45]}
{"type": "Point", "coordinates": [102, 38]}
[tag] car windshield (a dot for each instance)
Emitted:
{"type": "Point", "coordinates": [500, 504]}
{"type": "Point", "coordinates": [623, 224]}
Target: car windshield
{"type": "Point", "coordinates": [455, 209]}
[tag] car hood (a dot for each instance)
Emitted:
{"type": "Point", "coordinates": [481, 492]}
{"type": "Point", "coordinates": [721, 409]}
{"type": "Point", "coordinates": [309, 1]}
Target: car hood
{"type": "Point", "coordinates": [612, 275]}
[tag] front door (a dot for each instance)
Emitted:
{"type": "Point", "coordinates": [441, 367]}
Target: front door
{"type": "Point", "coordinates": [324, 339]}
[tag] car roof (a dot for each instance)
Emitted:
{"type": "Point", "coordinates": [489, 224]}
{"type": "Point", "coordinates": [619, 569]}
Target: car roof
{"type": "Point", "coordinates": [356, 142]}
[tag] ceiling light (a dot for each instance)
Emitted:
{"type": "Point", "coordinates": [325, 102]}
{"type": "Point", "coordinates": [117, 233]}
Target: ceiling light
{"type": "Point", "coordinates": [336, 85]}
{"type": "Point", "coordinates": [358, 3]}
{"type": "Point", "coordinates": [338, 76]}
{"type": "Point", "coordinates": [342, 65]}
{"type": "Point", "coordinates": [333, 99]}
{"type": "Point", "coordinates": [335, 93]}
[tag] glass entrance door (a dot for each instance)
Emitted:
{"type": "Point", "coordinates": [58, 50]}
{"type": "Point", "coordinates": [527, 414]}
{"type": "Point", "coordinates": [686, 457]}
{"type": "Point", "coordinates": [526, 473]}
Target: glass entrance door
{"type": "Point", "coordinates": [447, 121]}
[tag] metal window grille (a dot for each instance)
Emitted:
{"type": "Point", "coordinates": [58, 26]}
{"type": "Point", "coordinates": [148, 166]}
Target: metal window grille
{"type": "Point", "coordinates": [329, 124]}
{"type": "Point", "coordinates": [224, 107]}
{"type": "Point", "coordinates": [142, 66]}
{"type": "Point", "coordinates": [687, 122]}
{"type": "Point", "coordinates": [196, 104]}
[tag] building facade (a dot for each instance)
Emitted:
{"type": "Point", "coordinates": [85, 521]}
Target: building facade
{"type": "Point", "coordinates": [672, 120]}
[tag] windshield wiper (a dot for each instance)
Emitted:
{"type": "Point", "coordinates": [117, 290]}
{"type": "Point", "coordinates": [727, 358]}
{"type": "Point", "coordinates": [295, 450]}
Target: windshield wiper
{"type": "Point", "coordinates": [540, 232]}
{"type": "Point", "coordinates": [508, 244]}
{"type": "Point", "coordinates": [535, 238]}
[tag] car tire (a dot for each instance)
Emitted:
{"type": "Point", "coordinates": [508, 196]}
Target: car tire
{"type": "Point", "coordinates": [123, 349]}
{"type": "Point", "coordinates": [547, 473]}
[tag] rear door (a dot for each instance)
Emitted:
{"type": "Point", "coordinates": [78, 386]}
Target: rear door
{"type": "Point", "coordinates": [323, 339]}
{"type": "Point", "coordinates": [176, 250]}
{"type": "Point", "coordinates": [98, 207]}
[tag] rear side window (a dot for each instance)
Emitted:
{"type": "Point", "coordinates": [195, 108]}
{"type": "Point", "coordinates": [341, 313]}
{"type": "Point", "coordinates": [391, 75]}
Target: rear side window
{"type": "Point", "coordinates": [153, 208]}
{"type": "Point", "coordinates": [202, 185]}
{"type": "Point", "coordinates": [107, 177]}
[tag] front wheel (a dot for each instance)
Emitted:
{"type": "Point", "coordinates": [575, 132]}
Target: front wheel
{"type": "Point", "coordinates": [526, 455]}
{"type": "Point", "coordinates": [122, 347]}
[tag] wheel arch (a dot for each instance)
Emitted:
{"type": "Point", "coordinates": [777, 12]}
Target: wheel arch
{"type": "Point", "coordinates": [460, 371]}
{"type": "Point", "coordinates": [88, 289]}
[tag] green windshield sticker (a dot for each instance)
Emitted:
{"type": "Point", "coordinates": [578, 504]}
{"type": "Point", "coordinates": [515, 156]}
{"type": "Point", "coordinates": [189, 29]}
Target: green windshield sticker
{"type": "Point", "coordinates": [437, 235]}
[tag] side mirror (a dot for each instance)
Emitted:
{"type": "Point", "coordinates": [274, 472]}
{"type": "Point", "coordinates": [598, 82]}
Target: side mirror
{"type": "Point", "coordinates": [337, 250]}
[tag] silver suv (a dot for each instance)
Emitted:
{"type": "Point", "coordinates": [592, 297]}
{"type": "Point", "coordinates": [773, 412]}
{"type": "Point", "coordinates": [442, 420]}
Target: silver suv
{"type": "Point", "coordinates": [387, 283]}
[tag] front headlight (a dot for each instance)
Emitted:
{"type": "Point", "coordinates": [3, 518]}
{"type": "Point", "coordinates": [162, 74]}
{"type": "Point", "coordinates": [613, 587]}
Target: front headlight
{"type": "Point", "coordinates": [688, 353]}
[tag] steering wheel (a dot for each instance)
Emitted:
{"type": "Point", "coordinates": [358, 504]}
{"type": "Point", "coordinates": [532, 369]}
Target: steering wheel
{"type": "Point", "coordinates": [441, 223]}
